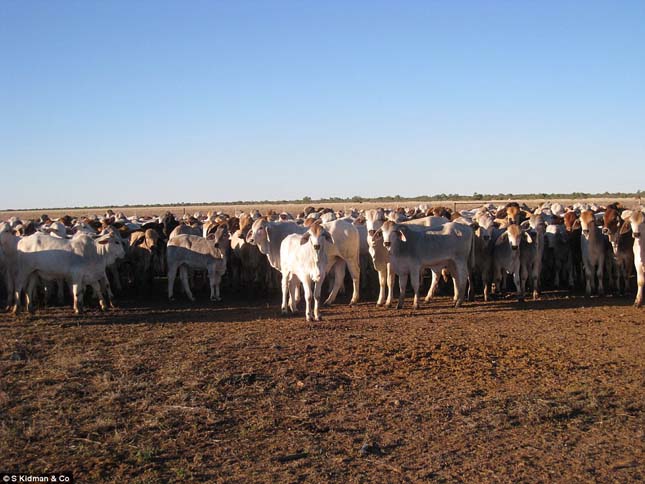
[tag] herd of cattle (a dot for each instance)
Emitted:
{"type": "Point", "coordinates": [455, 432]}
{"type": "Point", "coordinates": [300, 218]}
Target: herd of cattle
{"type": "Point", "coordinates": [486, 250]}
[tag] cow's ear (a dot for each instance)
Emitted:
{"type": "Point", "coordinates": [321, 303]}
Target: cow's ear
{"type": "Point", "coordinates": [378, 235]}
{"type": "Point", "coordinates": [625, 228]}
{"type": "Point", "coordinates": [502, 239]}
{"type": "Point", "coordinates": [474, 225]}
{"type": "Point", "coordinates": [626, 215]}
{"type": "Point", "coordinates": [327, 235]}
{"type": "Point", "coordinates": [139, 241]}
{"type": "Point", "coordinates": [576, 225]}
{"type": "Point", "coordinates": [402, 235]}
{"type": "Point", "coordinates": [528, 237]}
{"type": "Point", "coordinates": [210, 236]}
{"type": "Point", "coordinates": [305, 238]}
{"type": "Point", "coordinates": [103, 241]}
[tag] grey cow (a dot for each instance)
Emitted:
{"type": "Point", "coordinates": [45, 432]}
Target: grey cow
{"type": "Point", "coordinates": [195, 252]}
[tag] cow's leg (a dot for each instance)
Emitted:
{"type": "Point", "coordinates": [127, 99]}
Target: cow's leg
{"type": "Point", "coordinates": [218, 286]}
{"type": "Point", "coordinates": [382, 283]}
{"type": "Point", "coordinates": [96, 287]}
{"type": "Point", "coordinates": [339, 276]}
{"type": "Point", "coordinates": [30, 292]}
{"type": "Point", "coordinates": [415, 281]}
{"type": "Point", "coordinates": [294, 293]}
{"type": "Point", "coordinates": [172, 274]}
{"type": "Point", "coordinates": [18, 285]}
{"type": "Point", "coordinates": [316, 297]}
{"type": "Point", "coordinates": [524, 275]}
{"type": "Point", "coordinates": [390, 286]}
{"type": "Point", "coordinates": [285, 292]}
{"type": "Point", "coordinates": [486, 276]}
{"type": "Point", "coordinates": [589, 279]}
{"type": "Point", "coordinates": [308, 297]}
{"type": "Point", "coordinates": [403, 284]}
{"type": "Point", "coordinates": [460, 277]}
{"type": "Point", "coordinates": [77, 292]}
{"type": "Point", "coordinates": [355, 273]}
{"type": "Point", "coordinates": [211, 281]}
{"type": "Point", "coordinates": [9, 285]}
{"type": "Point", "coordinates": [434, 285]}
{"type": "Point", "coordinates": [519, 287]}
{"type": "Point", "coordinates": [640, 279]}
{"type": "Point", "coordinates": [107, 290]}
{"type": "Point", "coordinates": [600, 272]}
{"type": "Point", "coordinates": [183, 275]}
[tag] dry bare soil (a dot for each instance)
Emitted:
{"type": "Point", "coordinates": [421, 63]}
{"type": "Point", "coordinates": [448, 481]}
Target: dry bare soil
{"type": "Point", "coordinates": [547, 391]}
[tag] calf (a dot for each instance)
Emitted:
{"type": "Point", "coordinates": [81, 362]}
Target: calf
{"type": "Point", "coordinates": [531, 254]}
{"type": "Point", "coordinates": [619, 234]}
{"type": "Point", "coordinates": [268, 236]}
{"type": "Point", "coordinates": [485, 233]}
{"type": "Point", "coordinates": [506, 257]}
{"type": "Point", "coordinates": [80, 261]}
{"type": "Point", "coordinates": [593, 249]}
{"type": "Point", "coordinates": [412, 250]}
{"type": "Point", "coordinates": [305, 257]}
{"type": "Point", "coordinates": [186, 252]}
{"type": "Point", "coordinates": [146, 256]}
{"type": "Point", "coordinates": [636, 220]}
{"type": "Point", "coordinates": [373, 221]}
{"type": "Point", "coordinates": [558, 255]}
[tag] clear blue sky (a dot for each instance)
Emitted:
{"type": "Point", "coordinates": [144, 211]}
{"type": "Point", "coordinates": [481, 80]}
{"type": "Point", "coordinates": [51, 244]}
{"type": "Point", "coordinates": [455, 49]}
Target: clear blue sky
{"type": "Point", "coordinates": [109, 102]}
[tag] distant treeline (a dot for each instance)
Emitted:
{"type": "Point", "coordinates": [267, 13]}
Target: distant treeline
{"type": "Point", "coordinates": [386, 199]}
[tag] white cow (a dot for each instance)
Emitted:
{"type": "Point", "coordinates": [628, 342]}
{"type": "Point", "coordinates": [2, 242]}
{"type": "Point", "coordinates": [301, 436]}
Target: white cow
{"type": "Point", "coordinates": [268, 236]}
{"type": "Point", "coordinates": [532, 252]}
{"type": "Point", "coordinates": [305, 257]}
{"type": "Point", "coordinates": [412, 250]}
{"type": "Point", "coordinates": [594, 247]}
{"type": "Point", "coordinates": [636, 219]}
{"type": "Point", "coordinates": [80, 261]}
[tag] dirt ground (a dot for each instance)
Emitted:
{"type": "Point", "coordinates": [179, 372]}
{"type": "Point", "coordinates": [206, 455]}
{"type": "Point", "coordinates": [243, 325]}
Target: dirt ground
{"type": "Point", "coordinates": [546, 391]}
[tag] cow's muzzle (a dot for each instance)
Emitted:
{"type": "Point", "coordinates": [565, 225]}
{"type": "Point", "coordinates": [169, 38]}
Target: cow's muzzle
{"type": "Point", "coordinates": [514, 247]}
{"type": "Point", "coordinates": [637, 235]}
{"type": "Point", "coordinates": [605, 231]}
{"type": "Point", "coordinates": [387, 244]}
{"type": "Point", "coordinates": [316, 246]}
{"type": "Point", "coordinates": [585, 232]}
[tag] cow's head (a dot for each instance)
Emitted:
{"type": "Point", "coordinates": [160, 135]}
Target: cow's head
{"type": "Point", "coordinates": [587, 223]}
{"type": "Point", "coordinates": [484, 228]}
{"type": "Point", "coordinates": [317, 238]}
{"type": "Point", "coordinates": [391, 234]}
{"type": "Point", "coordinates": [373, 221]}
{"type": "Point", "coordinates": [636, 221]}
{"type": "Point", "coordinates": [513, 236]}
{"type": "Point", "coordinates": [113, 245]}
{"type": "Point", "coordinates": [260, 235]}
{"type": "Point", "coordinates": [219, 236]}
